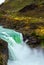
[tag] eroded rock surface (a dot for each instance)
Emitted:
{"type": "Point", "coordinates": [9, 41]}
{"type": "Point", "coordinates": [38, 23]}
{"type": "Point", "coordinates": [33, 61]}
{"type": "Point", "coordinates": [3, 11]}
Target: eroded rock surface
{"type": "Point", "coordinates": [3, 52]}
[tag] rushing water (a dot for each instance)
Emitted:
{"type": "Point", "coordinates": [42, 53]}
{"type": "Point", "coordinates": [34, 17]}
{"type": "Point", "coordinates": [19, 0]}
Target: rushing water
{"type": "Point", "coordinates": [19, 52]}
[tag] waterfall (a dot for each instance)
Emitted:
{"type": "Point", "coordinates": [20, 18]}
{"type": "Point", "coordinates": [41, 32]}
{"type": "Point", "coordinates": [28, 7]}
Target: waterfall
{"type": "Point", "coordinates": [19, 52]}
{"type": "Point", "coordinates": [12, 38]}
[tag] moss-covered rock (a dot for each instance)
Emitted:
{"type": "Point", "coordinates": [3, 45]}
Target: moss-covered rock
{"type": "Point", "coordinates": [28, 28]}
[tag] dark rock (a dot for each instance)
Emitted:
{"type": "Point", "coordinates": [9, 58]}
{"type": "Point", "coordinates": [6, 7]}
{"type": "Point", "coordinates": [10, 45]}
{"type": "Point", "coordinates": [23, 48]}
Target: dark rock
{"type": "Point", "coordinates": [3, 52]}
{"type": "Point", "coordinates": [33, 40]}
{"type": "Point", "coordinates": [28, 7]}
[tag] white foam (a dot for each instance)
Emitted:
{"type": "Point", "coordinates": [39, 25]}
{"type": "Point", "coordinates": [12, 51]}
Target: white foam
{"type": "Point", "coordinates": [26, 56]}
{"type": "Point", "coordinates": [21, 54]}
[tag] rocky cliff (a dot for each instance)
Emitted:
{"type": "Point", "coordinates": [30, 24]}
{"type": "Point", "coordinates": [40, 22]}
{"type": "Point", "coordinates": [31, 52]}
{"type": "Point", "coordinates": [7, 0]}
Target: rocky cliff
{"type": "Point", "coordinates": [3, 52]}
{"type": "Point", "coordinates": [33, 31]}
{"type": "Point", "coordinates": [27, 18]}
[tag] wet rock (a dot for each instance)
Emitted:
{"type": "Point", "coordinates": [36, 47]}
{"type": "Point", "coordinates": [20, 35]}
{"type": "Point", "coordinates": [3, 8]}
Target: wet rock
{"type": "Point", "coordinates": [26, 28]}
{"type": "Point", "coordinates": [32, 41]}
{"type": "Point", "coordinates": [3, 52]}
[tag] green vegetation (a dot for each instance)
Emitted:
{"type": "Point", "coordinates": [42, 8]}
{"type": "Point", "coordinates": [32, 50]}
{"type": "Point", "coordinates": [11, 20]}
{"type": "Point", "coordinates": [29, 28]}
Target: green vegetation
{"type": "Point", "coordinates": [27, 22]}
{"type": "Point", "coordinates": [16, 5]}
{"type": "Point", "coordinates": [12, 8]}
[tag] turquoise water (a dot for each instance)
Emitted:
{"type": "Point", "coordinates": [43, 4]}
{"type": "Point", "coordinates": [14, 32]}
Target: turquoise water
{"type": "Point", "coordinates": [11, 33]}
{"type": "Point", "coordinates": [12, 38]}
{"type": "Point", "coordinates": [19, 52]}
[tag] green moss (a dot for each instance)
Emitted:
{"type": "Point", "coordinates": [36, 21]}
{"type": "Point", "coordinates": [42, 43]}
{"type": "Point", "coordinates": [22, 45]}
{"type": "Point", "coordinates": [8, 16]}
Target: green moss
{"type": "Point", "coordinates": [16, 5]}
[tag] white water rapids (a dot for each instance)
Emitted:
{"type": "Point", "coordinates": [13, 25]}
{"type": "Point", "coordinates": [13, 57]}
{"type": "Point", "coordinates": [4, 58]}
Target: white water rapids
{"type": "Point", "coordinates": [19, 52]}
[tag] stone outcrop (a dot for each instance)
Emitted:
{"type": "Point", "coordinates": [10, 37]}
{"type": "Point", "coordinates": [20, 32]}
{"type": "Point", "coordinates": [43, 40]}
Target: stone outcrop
{"type": "Point", "coordinates": [34, 32]}
{"type": "Point", "coordinates": [30, 31]}
{"type": "Point", "coordinates": [3, 52]}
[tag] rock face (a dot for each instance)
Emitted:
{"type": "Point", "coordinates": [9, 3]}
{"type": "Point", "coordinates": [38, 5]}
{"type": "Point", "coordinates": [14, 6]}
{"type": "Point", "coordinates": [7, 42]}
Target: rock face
{"type": "Point", "coordinates": [11, 5]}
{"type": "Point", "coordinates": [31, 31]}
{"type": "Point", "coordinates": [33, 40]}
{"type": "Point", "coordinates": [3, 52]}
{"type": "Point", "coordinates": [28, 7]}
